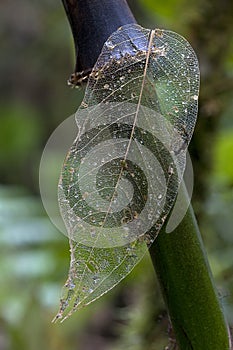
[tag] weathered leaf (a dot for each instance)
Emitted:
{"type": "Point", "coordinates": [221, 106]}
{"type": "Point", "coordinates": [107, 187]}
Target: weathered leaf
{"type": "Point", "coordinates": [122, 173]}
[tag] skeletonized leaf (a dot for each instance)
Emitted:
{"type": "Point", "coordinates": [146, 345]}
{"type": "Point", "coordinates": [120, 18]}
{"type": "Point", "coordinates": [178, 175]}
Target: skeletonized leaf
{"type": "Point", "coordinates": [122, 173]}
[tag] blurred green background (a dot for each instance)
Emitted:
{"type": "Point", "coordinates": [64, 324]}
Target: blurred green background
{"type": "Point", "coordinates": [35, 61]}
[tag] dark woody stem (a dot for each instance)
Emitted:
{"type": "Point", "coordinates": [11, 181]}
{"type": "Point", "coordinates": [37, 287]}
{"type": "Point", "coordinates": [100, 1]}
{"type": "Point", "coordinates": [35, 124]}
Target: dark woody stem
{"type": "Point", "coordinates": [92, 22]}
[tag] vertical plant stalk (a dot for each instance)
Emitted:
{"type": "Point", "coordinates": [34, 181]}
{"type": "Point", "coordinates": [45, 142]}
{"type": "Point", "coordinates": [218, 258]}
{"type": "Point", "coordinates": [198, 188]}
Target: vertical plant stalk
{"type": "Point", "coordinates": [179, 258]}
{"type": "Point", "coordinates": [181, 264]}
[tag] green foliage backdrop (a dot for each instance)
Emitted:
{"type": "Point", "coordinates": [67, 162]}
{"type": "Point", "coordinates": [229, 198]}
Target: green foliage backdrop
{"type": "Point", "coordinates": [36, 60]}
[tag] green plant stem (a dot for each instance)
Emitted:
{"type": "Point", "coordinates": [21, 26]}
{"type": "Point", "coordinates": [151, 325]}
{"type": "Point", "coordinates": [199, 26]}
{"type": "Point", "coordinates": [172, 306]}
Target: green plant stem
{"type": "Point", "coordinates": [180, 261]}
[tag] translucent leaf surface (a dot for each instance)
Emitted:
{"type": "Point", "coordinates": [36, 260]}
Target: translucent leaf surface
{"type": "Point", "coordinates": [122, 173]}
